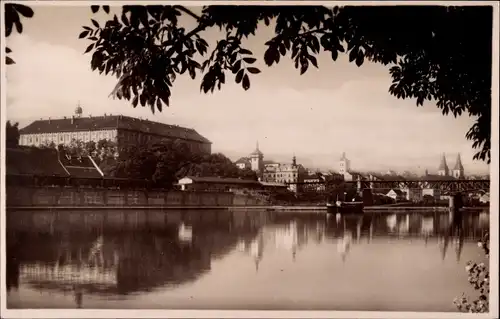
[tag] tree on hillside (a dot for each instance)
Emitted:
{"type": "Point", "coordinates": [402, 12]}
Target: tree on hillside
{"type": "Point", "coordinates": [12, 134]}
{"type": "Point", "coordinates": [216, 164]}
{"type": "Point", "coordinates": [158, 162]}
{"type": "Point", "coordinates": [433, 53]}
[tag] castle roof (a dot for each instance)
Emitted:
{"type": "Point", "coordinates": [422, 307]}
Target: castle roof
{"type": "Point", "coordinates": [112, 122]}
{"type": "Point", "coordinates": [443, 166]}
{"type": "Point", "coordinates": [458, 164]}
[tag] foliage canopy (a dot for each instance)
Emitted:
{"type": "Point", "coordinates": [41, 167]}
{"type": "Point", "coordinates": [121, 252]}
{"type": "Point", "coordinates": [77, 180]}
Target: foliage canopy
{"type": "Point", "coordinates": [433, 53]}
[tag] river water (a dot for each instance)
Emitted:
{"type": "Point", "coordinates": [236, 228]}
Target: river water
{"type": "Point", "coordinates": [254, 260]}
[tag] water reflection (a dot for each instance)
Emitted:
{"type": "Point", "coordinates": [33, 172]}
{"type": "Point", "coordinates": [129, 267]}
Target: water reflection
{"type": "Point", "coordinates": [114, 260]}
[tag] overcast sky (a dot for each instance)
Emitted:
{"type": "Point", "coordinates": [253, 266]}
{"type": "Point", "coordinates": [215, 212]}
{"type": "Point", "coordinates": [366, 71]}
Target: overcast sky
{"type": "Point", "coordinates": [336, 108]}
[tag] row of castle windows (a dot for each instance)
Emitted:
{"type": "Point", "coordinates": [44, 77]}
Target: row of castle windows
{"type": "Point", "coordinates": [97, 135]}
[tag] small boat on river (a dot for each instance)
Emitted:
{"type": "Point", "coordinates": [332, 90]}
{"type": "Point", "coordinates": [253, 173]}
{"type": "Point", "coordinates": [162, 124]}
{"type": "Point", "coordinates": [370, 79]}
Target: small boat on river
{"type": "Point", "coordinates": [344, 207]}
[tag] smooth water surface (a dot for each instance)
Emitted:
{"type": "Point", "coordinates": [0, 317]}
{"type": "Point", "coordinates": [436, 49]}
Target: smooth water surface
{"type": "Point", "coordinates": [240, 260]}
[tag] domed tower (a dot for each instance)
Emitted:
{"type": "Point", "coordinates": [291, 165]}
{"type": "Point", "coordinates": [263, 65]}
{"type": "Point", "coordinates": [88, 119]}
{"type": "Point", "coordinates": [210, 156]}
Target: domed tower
{"type": "Point", "coordinates": [443, 167]}
{"type": "Point", "coordinates": [257, 159]}
{"type": "Point", "coordinates": [458, 170]}
{"type": "Point", "coordinates": [78, 110]}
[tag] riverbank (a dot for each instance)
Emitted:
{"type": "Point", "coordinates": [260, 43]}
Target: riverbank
{"type": "Point", "coordinates": [302, 208]}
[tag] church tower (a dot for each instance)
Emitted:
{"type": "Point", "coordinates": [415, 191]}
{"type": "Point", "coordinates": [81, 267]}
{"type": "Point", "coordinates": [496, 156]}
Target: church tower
{"type": "Point", "coordinates": [458, 170]}
{"type": "Point", "coordinates": [257, 160]}
{"type": "Point", "coordinates": [443, 167]}
{"type": "Point", "coordinates": [344, 164]}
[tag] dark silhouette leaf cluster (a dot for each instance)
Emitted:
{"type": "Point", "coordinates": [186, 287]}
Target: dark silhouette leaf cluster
{"type": "Point", "coordinates": [13, 14]}
{"type": "Point", "coordinates": [433, 53]}
{"type": "Point", "coordinates": [446, 59]}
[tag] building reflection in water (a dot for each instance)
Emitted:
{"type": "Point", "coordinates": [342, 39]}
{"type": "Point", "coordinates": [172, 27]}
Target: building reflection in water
{"type": "Point", "coordinates": [427, 228]}
{"type": "Point", "coordinates": [116, 261]}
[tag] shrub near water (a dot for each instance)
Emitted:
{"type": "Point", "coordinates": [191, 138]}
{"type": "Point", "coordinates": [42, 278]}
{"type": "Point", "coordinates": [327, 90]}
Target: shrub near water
{"type": "Point", "coordinates": [479, 278]}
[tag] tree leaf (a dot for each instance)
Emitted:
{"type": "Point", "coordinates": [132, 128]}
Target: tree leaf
{"type": "Point", "coordinates": [313, 60]}
{"type": "Point", "coordinates": [360, 58]}
{"type": "Point", "coordinates": [25, 11]}
{"type": "Point", "coordinates": [245, 51]}
{"type": "Point", "coordinates": [246, 82]}
{"type": "Point", "coordinates": [9, 61]}
{"type": "Point", "coordinates": [89, 48]}
{"type": "Point", "coordinates": [253, 70]}
{"type": "Point", "coordinates": [95, 23]}
{"type": "Point", "coordinates": [239, 75]}
{"type": "Point", "coordinates": [335, 54]}
{"type": "Point", "coordinates": [94, 9]}
{"type": "Point", "coordinates": [19, 26]}
{"type": "Point", "coordinates": [83, 34]}
{"type": "Point", "coordinates": [135, 101]}
{"type": "Point", "coordinates": [236, 67]}
{"type": "Point", "coordinates": [352, 55]}
{"type": "Point", "coordinates": [249, 60]}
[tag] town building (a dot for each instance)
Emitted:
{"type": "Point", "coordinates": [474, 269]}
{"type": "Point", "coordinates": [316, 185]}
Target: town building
{"type": "Point", "coordinates": [123, 130]}
{"type": "Point", "coordinates": [291, 173]}
{"type": "Point", "coordinates": [414, 194]}
{"type": "Point", "coordinates": [243, 163]}
{"type": "Point", "coordinates": [274, 172]}
{"type": "Point", "coordinates": [397, 195]}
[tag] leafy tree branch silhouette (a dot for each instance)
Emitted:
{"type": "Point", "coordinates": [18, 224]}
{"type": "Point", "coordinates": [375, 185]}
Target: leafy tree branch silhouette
{"type": "Point", "coordinates": [433, 53]}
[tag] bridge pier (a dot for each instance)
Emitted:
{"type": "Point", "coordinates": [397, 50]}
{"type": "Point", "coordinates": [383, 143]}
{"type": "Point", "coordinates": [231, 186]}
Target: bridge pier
{"type": "Point", "coordinates": [367, 197]}
{"type": "Point", "coordinates": [455, 205]}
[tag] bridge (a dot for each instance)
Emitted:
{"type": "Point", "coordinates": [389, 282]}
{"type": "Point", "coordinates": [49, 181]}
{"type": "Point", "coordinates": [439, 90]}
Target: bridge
{"type": "Point", "coordinates": [445, 186]}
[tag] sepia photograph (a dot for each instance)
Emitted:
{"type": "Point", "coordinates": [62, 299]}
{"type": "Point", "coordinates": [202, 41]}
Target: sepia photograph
{"type": "Point", "coordinates": [249, 159]}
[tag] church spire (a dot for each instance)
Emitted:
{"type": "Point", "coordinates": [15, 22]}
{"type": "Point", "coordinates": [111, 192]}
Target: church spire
{"type": "Point", "coordinates": [458, 164]}
{"type": "Point", "coordinates": [443, 166]}
{"type": "Point", "coordinates": [443, 169]}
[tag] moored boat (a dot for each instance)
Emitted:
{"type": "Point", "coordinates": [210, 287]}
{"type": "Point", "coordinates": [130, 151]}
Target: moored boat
{"type": "Point", "coordinates": [344, 207]}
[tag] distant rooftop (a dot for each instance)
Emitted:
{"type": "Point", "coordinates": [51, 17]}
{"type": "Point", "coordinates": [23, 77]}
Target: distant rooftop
{"type": "Point", "coordinates": [72, 124]}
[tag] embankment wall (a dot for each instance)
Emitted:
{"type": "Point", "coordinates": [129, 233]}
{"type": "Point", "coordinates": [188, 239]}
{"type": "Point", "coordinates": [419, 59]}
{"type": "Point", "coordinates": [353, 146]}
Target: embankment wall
{"type": "Point", "coordinates": [18, 196]}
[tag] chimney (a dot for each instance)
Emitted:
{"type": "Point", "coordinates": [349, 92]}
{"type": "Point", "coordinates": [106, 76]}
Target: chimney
{"type": "Point", "coordinates": [49, 120]}
{"type": "Point", "coordinates": [72, 119]}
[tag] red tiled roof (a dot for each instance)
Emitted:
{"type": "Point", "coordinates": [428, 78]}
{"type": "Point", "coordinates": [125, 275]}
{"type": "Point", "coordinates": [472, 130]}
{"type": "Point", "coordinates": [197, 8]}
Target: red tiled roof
{"type": "Point", "coordinates": [33, 161]}
{"type": "Point", "coordinates": [47, 162]}
{"type": "Point", "coordinates": [112, 122]}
